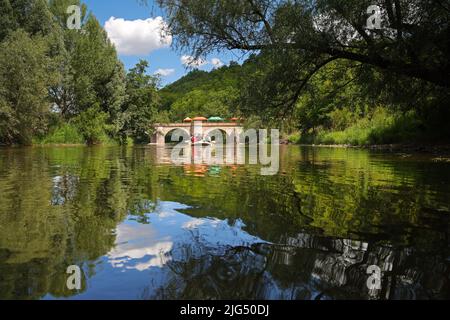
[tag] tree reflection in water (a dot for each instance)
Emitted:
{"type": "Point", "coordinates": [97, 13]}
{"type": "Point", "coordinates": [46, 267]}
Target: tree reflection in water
{"type": "Point", "coordinates": [311, 232]}
{"type": "Point", "coordinates": [304, 267]}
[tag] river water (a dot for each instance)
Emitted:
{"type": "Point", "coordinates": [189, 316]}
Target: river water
{"type": "Point", "coordinates": [141, 228]}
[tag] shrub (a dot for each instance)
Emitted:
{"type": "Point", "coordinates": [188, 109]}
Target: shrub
{"type": "Point", "coordinates": [294, 138]}
{"type": "Point", "coordinates": [381, 127]}
{"type": "Point", "coordinates": [92, 125]}
{"type": "Point", "coordinates": [62, 134]}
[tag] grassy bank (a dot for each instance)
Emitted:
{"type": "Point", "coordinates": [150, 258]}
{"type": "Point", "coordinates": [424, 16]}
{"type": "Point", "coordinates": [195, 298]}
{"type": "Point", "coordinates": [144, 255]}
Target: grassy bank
{"type": "Point", "coordinates": [69, 134]}
{"type": "Point", "coordinates": [379, 128]}
{"type": "Point", "coordinates": [64, 134]}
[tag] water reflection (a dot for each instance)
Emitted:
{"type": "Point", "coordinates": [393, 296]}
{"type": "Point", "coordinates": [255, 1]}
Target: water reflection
{"type": "Point", "coordinates": [144, 229]}
{"type": "Point", "coordinates": [170, 236]}
{"type": "Point", "coordinates": [175, 256]}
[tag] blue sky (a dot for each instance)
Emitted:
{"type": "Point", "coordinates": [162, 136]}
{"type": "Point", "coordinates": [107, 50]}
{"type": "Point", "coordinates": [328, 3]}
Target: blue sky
{"type": "Point", "coordinates": [136, 39]}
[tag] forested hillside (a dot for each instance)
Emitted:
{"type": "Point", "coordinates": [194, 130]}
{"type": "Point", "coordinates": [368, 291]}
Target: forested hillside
{"type": "Point", "coordinates": [204, 93]}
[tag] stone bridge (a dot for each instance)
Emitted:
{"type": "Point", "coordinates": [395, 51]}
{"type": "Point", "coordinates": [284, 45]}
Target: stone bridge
{"type": "Point", "coordinates": [189, 129]}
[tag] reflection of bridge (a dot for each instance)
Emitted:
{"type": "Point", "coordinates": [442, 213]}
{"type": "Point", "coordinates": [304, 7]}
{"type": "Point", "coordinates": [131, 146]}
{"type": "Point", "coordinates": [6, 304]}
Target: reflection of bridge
{"type": "Point", "coordinates": [189, 129]}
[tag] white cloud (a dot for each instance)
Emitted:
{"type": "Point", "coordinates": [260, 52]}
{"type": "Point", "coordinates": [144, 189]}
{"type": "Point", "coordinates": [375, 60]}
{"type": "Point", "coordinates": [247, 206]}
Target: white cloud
{"type": "Point", "coordinates": [137, 37]}
{"type": "Point", "coordinates": [217, 63]}
{"type": "Point", "coordinates": [190, 61]}
{"type": "Point", "coordinates": [164, 72]}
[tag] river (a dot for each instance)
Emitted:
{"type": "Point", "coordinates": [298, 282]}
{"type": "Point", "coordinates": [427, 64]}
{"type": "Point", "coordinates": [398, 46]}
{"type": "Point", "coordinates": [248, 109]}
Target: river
{"type": "Point", "coordinates": [142, 228]}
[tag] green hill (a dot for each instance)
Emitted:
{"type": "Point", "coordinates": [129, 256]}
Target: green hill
{"type": "Point", "coordinates": [202, 93]}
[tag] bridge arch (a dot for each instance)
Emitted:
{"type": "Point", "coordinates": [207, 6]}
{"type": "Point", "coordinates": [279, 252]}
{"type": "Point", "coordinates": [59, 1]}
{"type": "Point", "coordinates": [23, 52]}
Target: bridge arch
{"type": "Point", "coordinates": [214, 132]}
{"type": "Point", "coordinates": [183, 133]}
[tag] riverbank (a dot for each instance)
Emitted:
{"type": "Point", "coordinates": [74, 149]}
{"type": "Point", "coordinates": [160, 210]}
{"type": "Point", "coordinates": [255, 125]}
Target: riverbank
{"type": "Point", "coordinates": [442, 150]}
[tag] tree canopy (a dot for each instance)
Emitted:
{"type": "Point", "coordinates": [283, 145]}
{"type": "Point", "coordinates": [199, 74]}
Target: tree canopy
{"type": "Point", "coordinates": [310, 65]}
{"type": "Point", "coordinates": [140, 109]}
{"type": "Point", "coordinates": [202, 93]}
{"type": "Point", "coordinates": [25, 74]}
{"type": "Point", "coordinates": [56, 78]}
{"type": "Point", "coordinates": [413, 39]}
{"type": "Point", "coordinates": [301, 37]}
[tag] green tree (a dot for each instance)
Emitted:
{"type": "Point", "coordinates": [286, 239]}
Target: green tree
{"type": "Point", "coordinates": [412, 32]}
{"type": "Point", "coordinates": [83, 70]}
{"type": "Point", "coordinates": [203, 103]}
{"type": "Point", "coordinates": [7, 21]}
{"type": "Point", "coordinates": [34, 17]}
{"type": "Point", "coordinates": [90, 71]}
{"type": "Point", "coordinates": [62, 92]}
{"type": "Point", "coordinates": [141, 106]}
{"type": "Point", "coordinates": [92, 123]}
{"type": "Point", "coordinates": [214, 93]}
{"type": "Point", "coordinates": [297, 39]}
{"type": "Point", "coordinates": [97, 72]}
{"type": "Point", "coordinates": [25, 75]}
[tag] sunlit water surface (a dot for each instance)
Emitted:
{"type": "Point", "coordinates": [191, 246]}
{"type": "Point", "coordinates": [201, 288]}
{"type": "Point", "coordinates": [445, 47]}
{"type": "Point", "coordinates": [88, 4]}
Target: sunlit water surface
{"type": "Point", "coordinates": [142, 228]}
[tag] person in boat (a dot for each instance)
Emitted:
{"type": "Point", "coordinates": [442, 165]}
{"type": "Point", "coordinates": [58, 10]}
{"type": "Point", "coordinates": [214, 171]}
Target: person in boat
{"type": "Point", "coordinates": [196, 138]}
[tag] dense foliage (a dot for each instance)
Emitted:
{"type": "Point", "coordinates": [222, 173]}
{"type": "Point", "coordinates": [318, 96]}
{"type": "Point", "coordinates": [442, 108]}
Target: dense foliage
{"type": "Point", "coordinates": [141, 108]}
{"type": "Point", "coordinates": [317, 65]}
{"type": "Point", "coordinates": [59, 85]}
{"type": "Point", "coordinates": [201, 93]}
{"type": "Point", "coordinates": [313, 69]}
